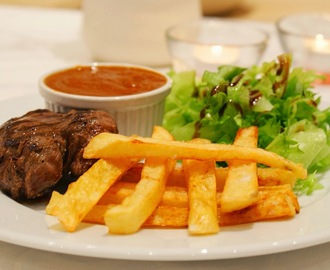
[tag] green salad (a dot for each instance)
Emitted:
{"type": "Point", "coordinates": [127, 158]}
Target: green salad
{"type": "Point", "coordinates": [273, 96]}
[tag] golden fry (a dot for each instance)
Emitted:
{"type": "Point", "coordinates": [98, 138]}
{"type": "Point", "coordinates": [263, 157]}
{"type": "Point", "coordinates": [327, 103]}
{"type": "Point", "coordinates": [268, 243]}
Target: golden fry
{"type": "Point", "coordinates": [266, 176]}
{"type": "Point", "coordinates": [241, 186]}
{"type": "Point", "coordinates": [275, 177]}
{"type": "Point", "coordinates": [163, 216]}
{"type": "Point", "coordinates": [273, 203]}
{"type": "Point", "coordinates": [52, 207]}
{"type": "Point", "coordinates": [96, 214]}
{"type": "Point", "coordinates": [126, 195]}
{"type": "Point", "coordinates": [172, 196]}
{"type": "Point", "coordinates": [129, 216]}
{"type": "Point", "coordinates": [83, 194]}
{"type": "Point", "coordinates": [201, 181]}
{"type": "Point", "coordinates": [102, 145]}
{"type": "Point", "coordinates": [117, 193]}
{"type": "Point", "coordinates": [169, 217]}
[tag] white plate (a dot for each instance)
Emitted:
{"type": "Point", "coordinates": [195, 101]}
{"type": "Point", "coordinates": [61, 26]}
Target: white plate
{"type": "Point", "coordinates": [28, 225]}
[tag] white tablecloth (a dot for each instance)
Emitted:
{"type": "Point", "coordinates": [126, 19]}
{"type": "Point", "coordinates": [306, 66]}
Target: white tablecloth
{"type": "Point", "coordinates": [34, 41]}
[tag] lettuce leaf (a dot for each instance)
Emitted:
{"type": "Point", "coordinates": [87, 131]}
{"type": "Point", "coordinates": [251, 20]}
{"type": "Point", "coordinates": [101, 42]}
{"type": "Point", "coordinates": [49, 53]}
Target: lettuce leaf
{"type": "Point", "coordinates": [296, 144]}
{"type": "Point", "coordinates": [273, 96]}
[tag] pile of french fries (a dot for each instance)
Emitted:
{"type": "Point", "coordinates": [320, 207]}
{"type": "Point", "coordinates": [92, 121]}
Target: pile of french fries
{"type": "Point", "coordinates": [159, 182]}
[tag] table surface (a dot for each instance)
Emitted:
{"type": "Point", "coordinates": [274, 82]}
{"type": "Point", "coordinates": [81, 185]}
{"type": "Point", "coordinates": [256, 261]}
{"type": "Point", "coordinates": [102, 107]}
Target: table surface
{"type": "Point", "coordinates": [248, 9]}
{"type": "Point", "coordinates": [32, 41]}
{"type": "Point", "coordinates": [270, 11]}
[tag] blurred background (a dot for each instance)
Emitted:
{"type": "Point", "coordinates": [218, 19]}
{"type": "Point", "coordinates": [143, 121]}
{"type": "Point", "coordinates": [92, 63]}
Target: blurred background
{"type": "Point", "coordinates": [264, 10]}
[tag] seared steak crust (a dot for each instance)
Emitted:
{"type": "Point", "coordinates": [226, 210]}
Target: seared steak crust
{"type": "Point", "coordinates": [38, 148]}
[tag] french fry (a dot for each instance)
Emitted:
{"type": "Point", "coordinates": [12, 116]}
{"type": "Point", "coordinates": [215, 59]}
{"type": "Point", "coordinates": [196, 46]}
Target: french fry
{"type": "Point", "coordinates": [175, 196]}
{"type": "Point", "coordinates": [275, 177]}
{"type": "Point", "coordinates": [96, 214]}
{"type": "Point", "coordinates": [273, 203]}
{"type": "Point", "coordinates": [266, 176]}
{"type": "Point", "coordinates": [169, 217]}
{"type": "Point", "coordinates": [128, 217]}
{"type": "Point", "coordinates": [172, 196]}
{"type": "Point", "coordinates": [117, 193]}
{"type": "Point", "coordinates": [125, 195]}
{"type": "Point", "coordinates": [163, 216]}
{"type": "Point", "coordinates": [201, 182]}
{"type": "Point", "coordinates": [52, 206]}
{"type": "Point", "coordinates": [241, 186]}
{"type": "Point", "coordinates": [102, 145]}
{"type": "Point", "coordinates": [83, 194]}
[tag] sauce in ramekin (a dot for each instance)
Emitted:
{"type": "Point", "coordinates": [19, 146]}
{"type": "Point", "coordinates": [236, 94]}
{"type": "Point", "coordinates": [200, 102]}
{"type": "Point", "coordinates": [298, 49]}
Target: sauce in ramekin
{"type": "Point", "coordinates": [105, 80]}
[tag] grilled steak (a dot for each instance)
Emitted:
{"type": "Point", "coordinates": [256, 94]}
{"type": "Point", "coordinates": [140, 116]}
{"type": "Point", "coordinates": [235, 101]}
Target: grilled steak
{"type": "Point", "coordinates": [40, 147]}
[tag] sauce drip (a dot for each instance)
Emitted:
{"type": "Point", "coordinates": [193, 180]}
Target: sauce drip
{"type": "Point", "coordinates": [105, 80]}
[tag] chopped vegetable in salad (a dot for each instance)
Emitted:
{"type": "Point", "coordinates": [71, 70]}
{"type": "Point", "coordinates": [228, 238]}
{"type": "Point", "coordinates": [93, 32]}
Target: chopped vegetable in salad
{"type": "Point", "coordinates": [273, 96]}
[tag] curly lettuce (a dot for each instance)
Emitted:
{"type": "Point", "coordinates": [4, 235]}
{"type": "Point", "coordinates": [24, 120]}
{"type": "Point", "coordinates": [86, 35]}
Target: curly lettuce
{"type": "Point", "coordinates": [273, 96]}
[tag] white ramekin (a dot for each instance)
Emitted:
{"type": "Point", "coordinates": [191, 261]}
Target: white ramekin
{"type": "Point", "coordinates": [134, 114]}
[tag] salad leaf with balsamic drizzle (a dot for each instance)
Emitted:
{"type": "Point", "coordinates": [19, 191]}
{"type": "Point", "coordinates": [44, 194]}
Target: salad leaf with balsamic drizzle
{"type": "Point", "coordinates": [273, 96]}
